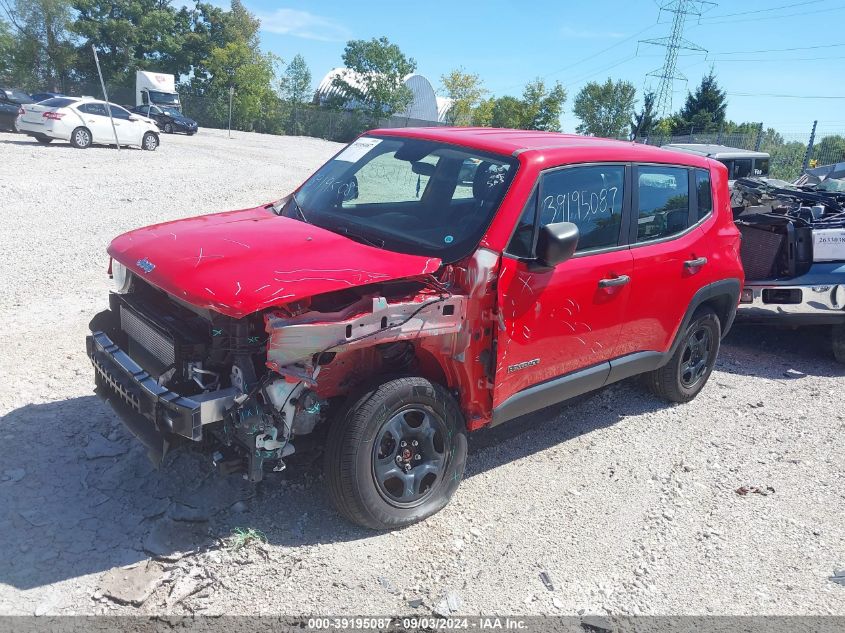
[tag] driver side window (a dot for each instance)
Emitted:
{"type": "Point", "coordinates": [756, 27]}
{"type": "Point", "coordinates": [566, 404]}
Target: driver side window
{"type": "Point", "coordinates": [387, 180]}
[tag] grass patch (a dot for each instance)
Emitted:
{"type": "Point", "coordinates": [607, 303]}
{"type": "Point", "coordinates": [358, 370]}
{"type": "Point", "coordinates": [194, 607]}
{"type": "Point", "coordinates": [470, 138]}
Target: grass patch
{"type": "Point", "coordinates": [244, 537]}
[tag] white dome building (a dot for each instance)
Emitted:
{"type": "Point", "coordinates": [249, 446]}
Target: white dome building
{"type": "Point", "coordinates": [423, 106]}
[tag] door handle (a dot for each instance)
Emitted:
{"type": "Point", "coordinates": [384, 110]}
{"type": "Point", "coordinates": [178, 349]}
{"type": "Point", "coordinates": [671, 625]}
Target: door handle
{"type": "Point", "coordinates": [621, 280]}
{"type": "Point", "coordinates": [695, 263]}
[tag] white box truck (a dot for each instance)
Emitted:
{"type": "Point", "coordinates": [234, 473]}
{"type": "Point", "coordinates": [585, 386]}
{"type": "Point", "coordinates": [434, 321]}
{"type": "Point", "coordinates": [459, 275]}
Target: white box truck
{"type": "Point", "coordinates": [156, 88]}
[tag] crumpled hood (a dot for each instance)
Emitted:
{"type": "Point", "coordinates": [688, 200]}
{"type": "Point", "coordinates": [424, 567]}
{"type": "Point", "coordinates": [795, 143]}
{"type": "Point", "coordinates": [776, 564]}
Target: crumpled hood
{"type": "Point", "coordinates": [240, 262]}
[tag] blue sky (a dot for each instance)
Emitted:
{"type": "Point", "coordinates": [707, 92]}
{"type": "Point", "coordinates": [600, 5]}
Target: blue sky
{"type": "Point", "coordinates": [508, 42]}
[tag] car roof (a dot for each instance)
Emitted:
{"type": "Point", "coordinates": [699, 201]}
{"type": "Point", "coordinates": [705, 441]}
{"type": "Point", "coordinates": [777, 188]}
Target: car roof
{"type": "Point", "coordinates": [553, 146]}
{"type": "Point", "coordinates": [716, 151]}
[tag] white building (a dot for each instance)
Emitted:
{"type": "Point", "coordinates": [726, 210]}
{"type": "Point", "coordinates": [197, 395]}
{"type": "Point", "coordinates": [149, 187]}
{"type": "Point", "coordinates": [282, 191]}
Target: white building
{"type": "Point", "coordinates": [425, 105]}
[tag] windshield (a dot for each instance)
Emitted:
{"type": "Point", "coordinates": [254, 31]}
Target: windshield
{"type": "Point", "coordinates": [408, 195]}
{"type": "Point", "coordinates": [172, 112]}
{"type": "Point", "coordinates": [164, 98]}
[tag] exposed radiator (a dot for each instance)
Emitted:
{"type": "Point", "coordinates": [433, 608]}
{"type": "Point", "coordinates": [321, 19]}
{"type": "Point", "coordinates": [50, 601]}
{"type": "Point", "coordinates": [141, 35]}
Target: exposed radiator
{"type": "Point", "coordinates": [148, 337]}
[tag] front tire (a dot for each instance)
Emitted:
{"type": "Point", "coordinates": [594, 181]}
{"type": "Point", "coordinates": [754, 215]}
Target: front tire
{"type": "Point", "coordinates": [80, 138]}
{"type": "Point", "coordinates": [398, 454]}
{"type": "Point", "coordinates": [149, 142]}
{"type": "Point", "coordinates": [688, 370]}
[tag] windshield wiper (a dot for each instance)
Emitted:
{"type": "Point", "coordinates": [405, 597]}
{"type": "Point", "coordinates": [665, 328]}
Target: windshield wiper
{"type": "Point", "coordinates": [296, 208]}
{"type": "Point", "coordinates": [358, 237]}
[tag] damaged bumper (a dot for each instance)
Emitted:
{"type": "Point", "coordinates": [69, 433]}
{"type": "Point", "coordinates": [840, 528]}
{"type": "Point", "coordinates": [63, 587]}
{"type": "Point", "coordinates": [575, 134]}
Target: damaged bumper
{"type": "Point", "coordinates": [153, 413]}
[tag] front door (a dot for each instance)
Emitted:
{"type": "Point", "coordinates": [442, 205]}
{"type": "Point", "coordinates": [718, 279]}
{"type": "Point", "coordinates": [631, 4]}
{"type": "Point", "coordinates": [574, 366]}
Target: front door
{"type": "Point", "coordinates": [556, 321]}
{"type": "Point", "coordinates": [96, 119]}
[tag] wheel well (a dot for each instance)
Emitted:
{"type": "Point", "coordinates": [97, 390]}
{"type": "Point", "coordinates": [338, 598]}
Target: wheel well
{"type": "Point", "coordinates": [723, 306]}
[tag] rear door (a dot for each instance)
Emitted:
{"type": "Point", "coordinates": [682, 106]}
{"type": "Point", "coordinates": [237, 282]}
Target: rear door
{"type": "Point", "coordinates": [96, 119]}
{"type": "Point", "coordinates": [669, 256]}
{"type": "Point", "coordinates": [554, 321]}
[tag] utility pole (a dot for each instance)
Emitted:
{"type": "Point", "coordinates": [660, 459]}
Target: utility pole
{"type": "Point", "coordinates": [231, 94]}
{"type": "Point", "coordinates": [809, 153]}
{"type": "Point", "coordinates": [673, 43]}
{"type": "Point", "coordinates": [106, 95]}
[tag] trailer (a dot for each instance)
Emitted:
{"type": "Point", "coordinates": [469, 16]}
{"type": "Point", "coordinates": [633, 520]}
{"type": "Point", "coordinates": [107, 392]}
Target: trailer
{"type": "Point", "coordinates": [152, 88]}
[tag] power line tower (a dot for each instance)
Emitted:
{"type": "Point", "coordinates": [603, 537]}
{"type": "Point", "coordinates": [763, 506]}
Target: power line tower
{"type": "Point", "coordinates": [675, 42]}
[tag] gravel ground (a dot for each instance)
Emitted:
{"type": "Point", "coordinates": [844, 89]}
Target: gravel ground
{"type": "Point", "coordinates": [628, 505]}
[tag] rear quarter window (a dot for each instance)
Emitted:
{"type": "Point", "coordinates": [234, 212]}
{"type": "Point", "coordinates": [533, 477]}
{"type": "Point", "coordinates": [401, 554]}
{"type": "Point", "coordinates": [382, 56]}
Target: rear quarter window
{"type": "Point", "coordinates": [704, 192]}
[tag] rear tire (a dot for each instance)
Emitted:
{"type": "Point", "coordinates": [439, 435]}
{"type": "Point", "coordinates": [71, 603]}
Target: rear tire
{"type": "Point", "coordinates": [80, 138]}
{"type": "Point", "coordinates": [838, 340]}
{"type": "Point", "coordinates": [168, 128]}
{"type": "Point", "coordinates": [690, 367]}
{"type": "Point", "coordinates": [397, 455]}
{"type": "Point", "coordinates": [44, 140]}
{"type": "Point", "coordinates": [149, 142]}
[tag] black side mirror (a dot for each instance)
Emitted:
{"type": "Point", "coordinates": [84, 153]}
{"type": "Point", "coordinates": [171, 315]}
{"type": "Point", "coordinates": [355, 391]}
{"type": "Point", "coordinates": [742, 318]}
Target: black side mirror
{"type": "Point", "coordinates": [557, 242]}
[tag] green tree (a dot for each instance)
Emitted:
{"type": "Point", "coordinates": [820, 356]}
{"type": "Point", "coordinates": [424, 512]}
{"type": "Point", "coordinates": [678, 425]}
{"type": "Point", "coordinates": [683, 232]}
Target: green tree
{"type": "Point", "coordinates": [296, 81]}
{"type": "Point", "coordinates": [605, 109]}
{"type": "Point", "coordinates": [42, 54]}
{"type": "Point", "coordinates": [466, 91]}
{"type": "Point", "coordinates": [130, 35]}
{"type": "Point", "coordinates": [704, 109]}
{"type": "Point", "coordinates": [508, 112]}
{"type": "Point", "coordinates": [482, 114]}
{"type": "Point", "coordinates": [380, 68]}
{"type": "Point", "coordinates": [296, 89]}
{"type": "Point", "coordinates": [542, 107]}
{"type": "Point", "coordinates": [830, 149]}
{"type": "Point", "coordinates": [643, 122]}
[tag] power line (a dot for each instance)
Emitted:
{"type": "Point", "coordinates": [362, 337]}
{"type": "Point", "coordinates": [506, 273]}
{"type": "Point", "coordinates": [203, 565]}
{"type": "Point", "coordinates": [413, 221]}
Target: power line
{"type": "Point", "coordinates": [773, 17]}
{"type": "Point", "coordinates": [778, 50]}
{"type": "Point", "coordinates": [784, 96]}
{"type": "Point", "coordinates": [784, 6]}
{"type": "Point", "coordinates": [777, 59]}
{"type": "Point", "coordinates": [675, 41]}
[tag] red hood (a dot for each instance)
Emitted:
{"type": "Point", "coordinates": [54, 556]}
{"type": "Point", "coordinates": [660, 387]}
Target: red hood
{"type": "Point", "coordinates": [240, 262]}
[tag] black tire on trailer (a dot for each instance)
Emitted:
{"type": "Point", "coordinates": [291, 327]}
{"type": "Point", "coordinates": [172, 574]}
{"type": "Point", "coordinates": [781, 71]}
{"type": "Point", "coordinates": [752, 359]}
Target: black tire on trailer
{"type": "Point", "coordinates": [687, 371]}
{"type": "Point", "coordinates": [838, 342]}
{"type": "Point", "coordinates": [397, 455]}
{"type": "Point", "coordinates": [149, 142]}
{"type": "Point", "coordinates": [80, 138]}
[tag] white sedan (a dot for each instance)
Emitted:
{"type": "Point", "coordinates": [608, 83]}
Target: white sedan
{"type": "Point", "coordinates": [84, 121]}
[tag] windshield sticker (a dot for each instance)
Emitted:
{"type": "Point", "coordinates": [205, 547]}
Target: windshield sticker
{"type": "Point", "coordinates": [357, 150]}
{"type": "Point", "coordinates": [448, 239]}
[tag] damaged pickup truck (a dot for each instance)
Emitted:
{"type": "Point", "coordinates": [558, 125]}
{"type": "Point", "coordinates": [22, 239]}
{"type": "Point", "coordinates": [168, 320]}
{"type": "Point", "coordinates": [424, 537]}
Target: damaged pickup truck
{"type": "Point", "coordinates": [793, 252]}
{"type": "Point", "coordinates": [420, 285]}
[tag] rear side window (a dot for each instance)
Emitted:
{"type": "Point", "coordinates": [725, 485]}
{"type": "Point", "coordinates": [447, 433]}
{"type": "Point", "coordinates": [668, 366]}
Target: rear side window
{"type": "Point", "coordinates": [704, 193]}
{"type": "Point", "coordinates": [97, 109]}
{"type": "Point", "coordinates": [662, 202]}
{"type": "Point", "coordinates": [590, 197]}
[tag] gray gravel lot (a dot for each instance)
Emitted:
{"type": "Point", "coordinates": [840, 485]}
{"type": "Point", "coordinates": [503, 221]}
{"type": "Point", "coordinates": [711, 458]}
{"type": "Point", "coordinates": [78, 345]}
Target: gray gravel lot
{"type": "Point", "coordinates": [628, 505]}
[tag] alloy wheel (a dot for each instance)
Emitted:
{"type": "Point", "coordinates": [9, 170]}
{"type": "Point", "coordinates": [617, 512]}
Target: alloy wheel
{"type": "Point", "coordinates": [409, 456]}
{"type": "Point", "coordinates": [696, 357]}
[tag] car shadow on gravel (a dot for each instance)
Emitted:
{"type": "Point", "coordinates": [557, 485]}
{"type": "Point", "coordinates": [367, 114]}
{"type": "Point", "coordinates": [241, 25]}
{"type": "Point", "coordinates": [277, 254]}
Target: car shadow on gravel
{"type": "Point", "coordinates": [80, 496]}
{"type": "Point", "coordinates": [770, 352]}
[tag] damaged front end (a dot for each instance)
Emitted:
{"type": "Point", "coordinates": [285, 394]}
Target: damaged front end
{"type": "Point", "coordinates": [247, 387]}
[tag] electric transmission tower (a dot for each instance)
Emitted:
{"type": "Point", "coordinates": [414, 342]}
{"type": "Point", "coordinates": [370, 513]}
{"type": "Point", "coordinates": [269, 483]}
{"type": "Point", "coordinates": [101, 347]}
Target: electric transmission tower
{"type": "Point", "coordinates": [675, 42]}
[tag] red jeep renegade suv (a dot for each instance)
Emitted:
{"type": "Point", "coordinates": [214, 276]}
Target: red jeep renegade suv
{"type": "Point", "coordinates": [421, 284]}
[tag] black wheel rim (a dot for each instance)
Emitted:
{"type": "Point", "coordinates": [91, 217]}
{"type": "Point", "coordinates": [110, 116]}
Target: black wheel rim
{"type": "Point", "coordinates": [409, 456]}
{"type": "Point", "coordinates": [696, 357]}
